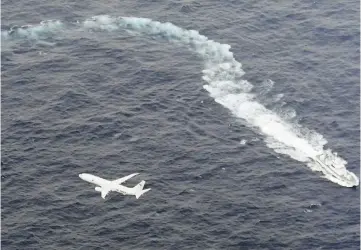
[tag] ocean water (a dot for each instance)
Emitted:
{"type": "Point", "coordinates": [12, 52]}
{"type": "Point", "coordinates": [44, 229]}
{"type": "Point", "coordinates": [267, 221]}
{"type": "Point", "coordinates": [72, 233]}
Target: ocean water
{"type": "Point", "coordinates": [218, 105]}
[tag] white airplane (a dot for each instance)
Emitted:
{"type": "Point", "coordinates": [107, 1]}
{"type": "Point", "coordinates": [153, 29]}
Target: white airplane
{"type": "Point", "coordinates": [105, 186]}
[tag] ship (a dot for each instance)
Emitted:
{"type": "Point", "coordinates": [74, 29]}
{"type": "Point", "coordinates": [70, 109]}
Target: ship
{"type": "Point", "coordinates": [337, 170]}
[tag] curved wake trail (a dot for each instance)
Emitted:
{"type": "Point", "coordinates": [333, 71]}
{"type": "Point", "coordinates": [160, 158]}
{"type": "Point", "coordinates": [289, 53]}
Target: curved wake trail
{"type": "Point", "coordinates": [222, 74]}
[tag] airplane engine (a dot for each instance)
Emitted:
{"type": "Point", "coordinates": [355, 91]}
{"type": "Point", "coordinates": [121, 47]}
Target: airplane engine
{"type": "Point", "coordinates": [98, 189]}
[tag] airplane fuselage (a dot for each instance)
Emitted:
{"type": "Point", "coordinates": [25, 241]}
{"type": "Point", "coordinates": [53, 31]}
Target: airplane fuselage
{"type": "Point", "coordinates": [94, 179]}
{"type": "Point", "coordinates": [109, 185]}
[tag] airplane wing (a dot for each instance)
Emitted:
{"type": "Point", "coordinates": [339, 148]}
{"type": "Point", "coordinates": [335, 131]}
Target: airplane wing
{"type": "Point", "coordinates": [125, 178]}
{"type": "Point", "coordinates": [104, 192]}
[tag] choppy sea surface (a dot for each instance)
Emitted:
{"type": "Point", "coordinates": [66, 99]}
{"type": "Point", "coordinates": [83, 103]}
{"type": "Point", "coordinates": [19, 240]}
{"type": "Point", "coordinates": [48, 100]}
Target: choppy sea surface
{"type": "Point", "coordinates": [219, 106]}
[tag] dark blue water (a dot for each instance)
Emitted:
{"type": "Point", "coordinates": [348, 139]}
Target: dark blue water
{"type": "Point", "coordinates": [112, 103]}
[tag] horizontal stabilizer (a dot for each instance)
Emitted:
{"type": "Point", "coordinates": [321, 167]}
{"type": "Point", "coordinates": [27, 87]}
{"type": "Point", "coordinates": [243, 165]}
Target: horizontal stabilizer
{"type": "Point", "coordinates": [137, 195]}
{"type": "Point", "coordinates": [139, 189]}
{"type": "Point", "coordinates": [139, 186]}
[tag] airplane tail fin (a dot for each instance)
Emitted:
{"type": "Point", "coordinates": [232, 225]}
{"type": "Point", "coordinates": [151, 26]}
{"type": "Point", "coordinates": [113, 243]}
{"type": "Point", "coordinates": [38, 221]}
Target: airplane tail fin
{"type": "Point", "coordinates": [139, 189]}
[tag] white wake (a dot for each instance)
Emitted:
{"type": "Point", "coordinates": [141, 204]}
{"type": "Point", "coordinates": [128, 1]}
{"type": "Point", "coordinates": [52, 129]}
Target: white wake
{"type": "Point", "coordinates": [222, 74]}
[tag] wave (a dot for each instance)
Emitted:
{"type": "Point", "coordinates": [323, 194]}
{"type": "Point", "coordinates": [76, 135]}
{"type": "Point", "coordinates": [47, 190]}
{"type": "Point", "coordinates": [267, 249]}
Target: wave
{"type": "Point", "coordinates": [223, 75]}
